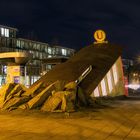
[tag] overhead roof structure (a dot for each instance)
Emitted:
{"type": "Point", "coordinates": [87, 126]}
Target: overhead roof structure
{"type": "Point", "coordinates": [15, 57]}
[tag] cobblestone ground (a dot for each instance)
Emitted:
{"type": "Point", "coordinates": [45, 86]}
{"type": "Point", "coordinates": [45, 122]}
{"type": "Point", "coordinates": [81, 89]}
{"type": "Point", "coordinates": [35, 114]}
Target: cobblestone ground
{"type": "Point", "coordinates": [115, 120]}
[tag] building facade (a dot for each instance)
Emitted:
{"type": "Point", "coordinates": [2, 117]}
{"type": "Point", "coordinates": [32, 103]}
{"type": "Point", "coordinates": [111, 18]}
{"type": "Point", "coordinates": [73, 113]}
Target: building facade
{"type": "Point", "coordinates": [9, 42]}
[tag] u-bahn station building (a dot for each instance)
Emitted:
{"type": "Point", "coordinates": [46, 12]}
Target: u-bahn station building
{"type": "Point", "coordinates": [25, 61]}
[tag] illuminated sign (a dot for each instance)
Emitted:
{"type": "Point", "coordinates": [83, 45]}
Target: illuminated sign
{"type": "Point", "coordinates": [100, 36]}
{"type": "Point", "coordinates": [12, 71]}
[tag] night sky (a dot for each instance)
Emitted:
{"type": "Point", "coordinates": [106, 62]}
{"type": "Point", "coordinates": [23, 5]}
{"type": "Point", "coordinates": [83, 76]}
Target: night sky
{"type": "Point", "coordinates": [71, 23]}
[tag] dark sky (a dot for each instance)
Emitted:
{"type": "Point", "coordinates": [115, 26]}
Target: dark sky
{"type": "Point", "coordinates": [72, 22]}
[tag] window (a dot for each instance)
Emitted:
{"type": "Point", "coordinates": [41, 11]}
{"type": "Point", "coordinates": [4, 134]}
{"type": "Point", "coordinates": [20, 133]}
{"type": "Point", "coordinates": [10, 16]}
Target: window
{"type": "Point", "coordinates": [34, 46]}
{"type": "Point", "coordinates": [46, 48]}
{"type": "Point", "coordinates": [42, 48]}
{"type": "Point", "coordinates": [2, 31]}
{"type": "Point", "coordinates": [64, 52]}
{"type": "Point", "coordinates": [68, 52]}
{"type": "Point", "coordinates": [103, 86]}
{"type": "Point", "coordinates": [38, 47]}
{"type": "Point", "coordinates": [40, 55]}
{"type": "Point", "coordinates": [44, 56]}
{"type": "Point", "coordinates": [22, 44]}
{"type": "Point", "coordinates": [109, 80]}
{"type": "Point", "coordinates": [18, 43]}
{"type": "Point", "coordinates": [53, 51]}
{"type": "Point", "coordinates": [37, 54]}
{"type": "Point", "coordinates": [115, 74]}
{"type": "Point", "coordinates": [48, 67]}
{"type": "Point", "coordinates": [26, 45]}
{"type": "Point", "coordinates": [57, 50]}
{"type": "Point", "coordinates": [49, 50]}
{"type": "Point", "coordinates": [5, 32]}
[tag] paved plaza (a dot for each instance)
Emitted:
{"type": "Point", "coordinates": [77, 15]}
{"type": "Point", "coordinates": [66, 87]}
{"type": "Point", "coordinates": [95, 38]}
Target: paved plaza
{"type": "Point", "coordinates": [113, 120]}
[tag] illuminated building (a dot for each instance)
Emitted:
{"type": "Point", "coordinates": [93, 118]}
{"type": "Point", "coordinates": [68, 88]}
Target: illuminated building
{"type": "Point", "coordinates": [39, 51]}
{"type": "Point", "coordinates": [127, 65]}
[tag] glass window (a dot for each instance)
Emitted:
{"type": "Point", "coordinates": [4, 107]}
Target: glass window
{"type": "Point", "coordinates": [68, 52]}
{"type": "Point", "coordinates": [64, 52]}
{"type": "Point", "coordinates": [103, 86]}
{"type": "Point", "coordinates": [38, 46]}
{"type": "Point", "coordinates": [44, 56]}
{"type": "Point", "coordinates": [26, 45]}
{"type": "Point", "coordinates": [18, 43]}
{"type": "Point", "coordinates": [56, 50]}
{"type": "Point", "coordinates": [49, 50]}
{"type": "Point", "coordinates": [115, 74]}
{"type": "Point", "coordinates": [41, 56]}
{"type": "Point", "coordinates": [37, 54]}
{"type": "Point", "coordinates": [6, 32]}
{"type": "Point", "coordinates": [53, 51]}
{"type": "Point", "coordinates": [46, 48]}
{"type": "Point", "coordinates": [109, 80]}
{"type": "Point", "coordinates": [41, 47]}
{"type": "Point", "coordinates": [48, 67]}
{"type": "Point", "coordinates": [34, 46]}
{"type": "Point", "coordinates": [2, 31]}
{"type": "Point", "coordinates": [22, 44]}
{"type": "Point", "coordinates": [30, 44]}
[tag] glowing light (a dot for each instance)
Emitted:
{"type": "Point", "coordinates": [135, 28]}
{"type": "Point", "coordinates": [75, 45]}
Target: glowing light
{"type": "Point", "coordinates": [109, 80]}
{"type": "Point", "coordinates": [99, 36]}
{"type": "Point", "coordinates": [133, 86]}
{"type": "Point", "coordinates": [115, 73]}
{"type": "Point", "coordinates": [103, 86]}
{"type": "Point", "coordinates": [96, 92]}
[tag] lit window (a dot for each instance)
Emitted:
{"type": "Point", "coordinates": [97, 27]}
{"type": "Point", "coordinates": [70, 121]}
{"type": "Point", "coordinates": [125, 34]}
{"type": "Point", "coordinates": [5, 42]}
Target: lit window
{"type": "Point", "coordinates": [53, 51]}
{"type": "Point", "coordinates": [64, 52]}
{"type": "Point", "coordinates": [22, 44]}
{"type": "Point", "coordinates": [38, 46]}
{"type": "Point", "coordinates": [46, 48]}
{"type": "Point", "coordinates": [48, 67]}
{"type": "Point", "coordinates": [40, 55]}
{"type": "Point", "coordinates": [49, 50]}
{"type": "Point", "coordinates": [2, 31]}
{"type": "Point", "coordinates": [109, 80]}
{"type": "Point", "coordinates": [115, 74]}
{"type": "Point", "coordinates": [34, 46]}
{"type": "Point", "coordinates": [18, 43]}
{"type": "Point", "coordinates": [103, 86]}
{"type": "Point", "coordinates": [37, 54]}
{"type": "Point", "coordinates": [6, 32]}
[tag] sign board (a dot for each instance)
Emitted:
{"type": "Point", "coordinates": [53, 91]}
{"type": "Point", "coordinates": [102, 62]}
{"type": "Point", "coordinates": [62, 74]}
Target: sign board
{"type": "Point", "coordinates": [14, 73]}
{"type": "Point", "coordinates": [100, 36]}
